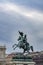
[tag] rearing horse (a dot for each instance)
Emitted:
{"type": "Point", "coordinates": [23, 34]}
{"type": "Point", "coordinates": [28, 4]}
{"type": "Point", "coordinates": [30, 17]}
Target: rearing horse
{"type": "Point", "coordinates": [23, 43]}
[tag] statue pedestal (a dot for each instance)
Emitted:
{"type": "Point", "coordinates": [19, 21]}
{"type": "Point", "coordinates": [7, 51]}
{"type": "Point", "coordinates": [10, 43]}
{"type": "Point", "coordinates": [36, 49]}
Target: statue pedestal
{"type": "Point", "coordinates": [22, 60]}
{"type": "Point", "coordinates": [22, 63]}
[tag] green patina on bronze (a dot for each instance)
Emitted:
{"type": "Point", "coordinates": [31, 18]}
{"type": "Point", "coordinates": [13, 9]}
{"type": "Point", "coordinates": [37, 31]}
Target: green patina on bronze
{"type": "Point", "coordinates": [22, 43]}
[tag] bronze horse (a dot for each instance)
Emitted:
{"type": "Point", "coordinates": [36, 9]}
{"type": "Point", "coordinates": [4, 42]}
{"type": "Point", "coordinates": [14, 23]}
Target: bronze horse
{"type": "Point", "coordinates": [23, 43]}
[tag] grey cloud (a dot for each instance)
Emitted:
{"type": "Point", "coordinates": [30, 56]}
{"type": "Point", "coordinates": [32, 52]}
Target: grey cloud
{"type": "Point", "coordinates": [34, 4]}
{"type": "Point", "coordinates": [8, 25]}
{"type": "Point", "coordinates": [11, 23]}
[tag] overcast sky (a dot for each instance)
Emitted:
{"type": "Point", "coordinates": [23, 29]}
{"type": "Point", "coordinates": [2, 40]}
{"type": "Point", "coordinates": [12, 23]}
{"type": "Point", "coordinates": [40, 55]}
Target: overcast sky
{"type": "Point", "coordinates": [23, 15]}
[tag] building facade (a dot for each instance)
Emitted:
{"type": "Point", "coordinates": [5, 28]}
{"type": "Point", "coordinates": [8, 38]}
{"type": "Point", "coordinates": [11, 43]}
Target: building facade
{"type": "Point", "coordinates": [2, 55]}
{"type": "Point", "coordinates": [38, 59]}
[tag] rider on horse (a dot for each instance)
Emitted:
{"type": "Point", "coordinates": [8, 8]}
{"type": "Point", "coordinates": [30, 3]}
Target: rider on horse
{"type": "Point", "coordinates": [22, 43]}
{"type": "Point", "coordinates": [23, 40]}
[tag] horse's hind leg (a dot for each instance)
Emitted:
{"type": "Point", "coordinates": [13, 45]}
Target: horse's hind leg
{"type": "Point", "coordinates": [28, 51]}
{"type": "Point", "coordinates": [24, 51]}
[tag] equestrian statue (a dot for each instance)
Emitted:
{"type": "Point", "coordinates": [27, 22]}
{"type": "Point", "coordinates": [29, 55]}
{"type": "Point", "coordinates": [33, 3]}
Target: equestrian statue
{"type": "Point", "coordinates": [22, 43]}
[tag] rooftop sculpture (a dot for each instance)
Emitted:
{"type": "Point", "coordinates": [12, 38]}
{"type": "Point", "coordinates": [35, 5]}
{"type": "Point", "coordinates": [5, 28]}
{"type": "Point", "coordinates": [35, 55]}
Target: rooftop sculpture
{"type": "Point", "coordinates": [22, 43]}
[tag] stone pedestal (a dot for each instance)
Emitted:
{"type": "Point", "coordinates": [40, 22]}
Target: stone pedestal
{"type": "Point", "coordinates": [21, 63]}
{"type": "Point", "coordinates": [22, 60]}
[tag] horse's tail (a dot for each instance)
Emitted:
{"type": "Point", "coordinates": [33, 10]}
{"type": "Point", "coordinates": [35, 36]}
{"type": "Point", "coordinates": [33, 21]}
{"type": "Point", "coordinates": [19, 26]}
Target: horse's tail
{"type": "Point", "coordinates": [32, 48]}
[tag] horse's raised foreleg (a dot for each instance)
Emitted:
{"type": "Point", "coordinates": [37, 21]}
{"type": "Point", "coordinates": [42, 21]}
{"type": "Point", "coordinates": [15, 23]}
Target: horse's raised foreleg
{"type": "Point", "coordinates": [14, 46]}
